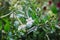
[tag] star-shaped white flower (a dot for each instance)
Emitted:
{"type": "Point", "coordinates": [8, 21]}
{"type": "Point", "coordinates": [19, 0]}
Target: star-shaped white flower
{"type": "Point", "coordinates": [29, 21]}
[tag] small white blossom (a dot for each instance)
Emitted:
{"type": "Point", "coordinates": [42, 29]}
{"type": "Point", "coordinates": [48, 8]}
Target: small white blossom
{"type": "Point", "coordinates": [3, 31]}
{"type": "Point", "coordinates": [29, 24]}
{"type": "Point", "coordinates": [21, 27]}
{"type": "Point", "coordinates": [12, 15]}
{"type": "Point", "coordinates": [43, 6]}
{"type": "Point", "coordinates": [29, 21]}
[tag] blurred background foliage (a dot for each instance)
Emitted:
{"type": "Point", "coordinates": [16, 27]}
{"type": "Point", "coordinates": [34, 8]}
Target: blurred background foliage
{"type": "Point", "coordinates": [29, 20]}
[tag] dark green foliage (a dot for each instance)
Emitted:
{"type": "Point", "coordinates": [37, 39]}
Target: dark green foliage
{"type": "Point", "coordinates": [28, 20]}
{"type": "Point", "coordinates": [4, 8]}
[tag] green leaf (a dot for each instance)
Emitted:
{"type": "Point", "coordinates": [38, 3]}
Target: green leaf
{"type": "Point", "coordinates": [34, 16]}
{"type": "Point", "coordinates": [7, 27]}
{"type": "Point", "coordinates": [0, 24]}
{"type": "Point", "coordinates": [54, 9]}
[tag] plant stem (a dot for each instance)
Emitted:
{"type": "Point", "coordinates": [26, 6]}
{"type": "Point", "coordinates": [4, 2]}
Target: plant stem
{"type": "Point", "coordinates": [18, 20]}
{"type": "Point", "coordinates": [47, 37]}
{"type": "Point", "coordinates": [27, 12]}
{"type": "Point", "coordinates": [5, 15]}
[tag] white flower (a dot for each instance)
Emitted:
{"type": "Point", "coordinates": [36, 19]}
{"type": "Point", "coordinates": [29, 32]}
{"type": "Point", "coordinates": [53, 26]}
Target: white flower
{"type": "Point", "coordinates": [3, 31]}
{"type": "Point", "coordinates": [12, 15]}
{"type": "Point", "coordinates": [29, 21]}
{"type": "Point", "coordinates": [29, 24]}
{"type": "Point", "coordinates": [22, 27]}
